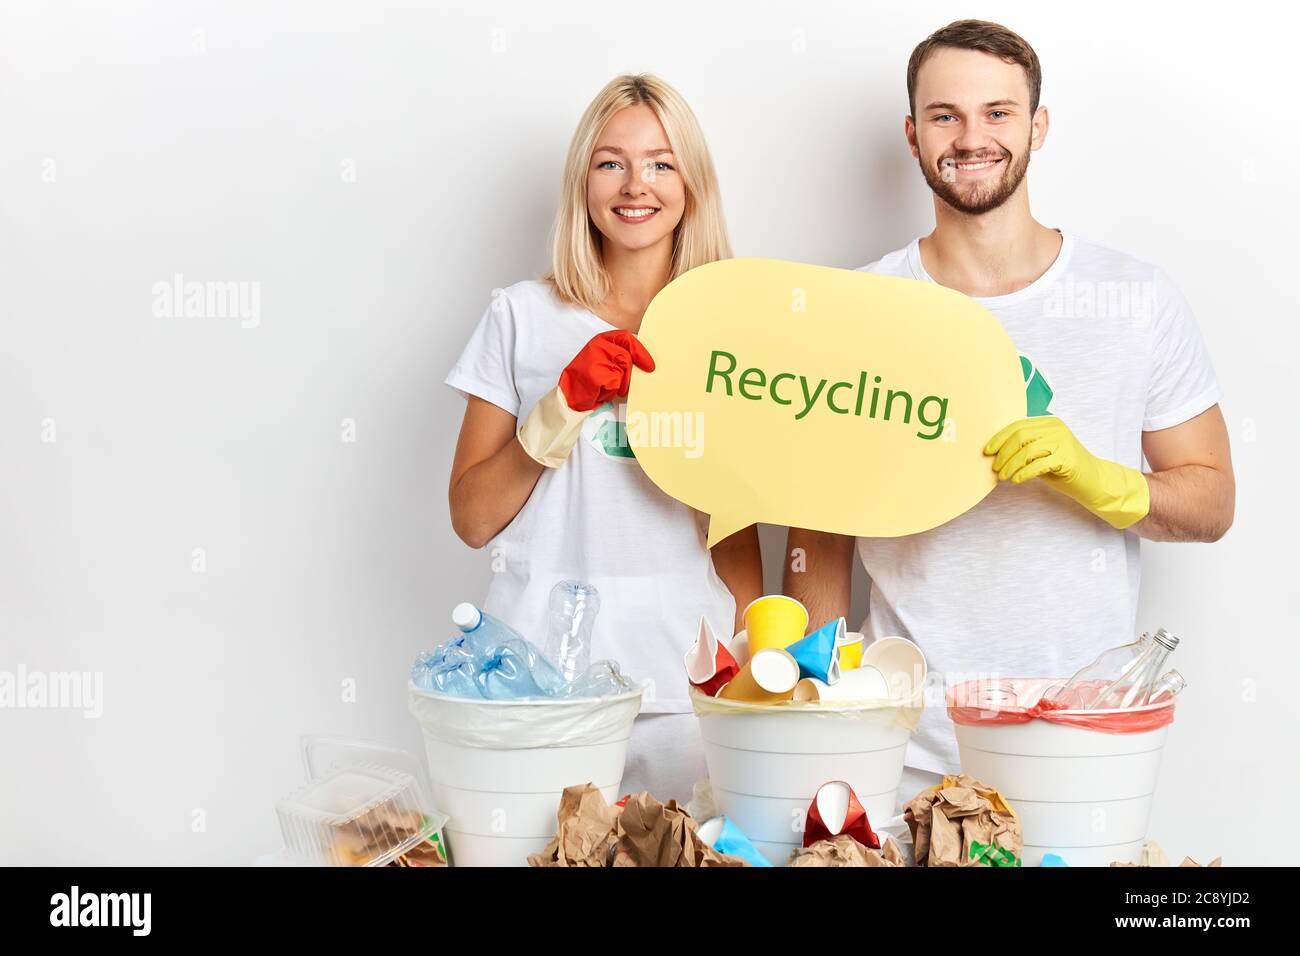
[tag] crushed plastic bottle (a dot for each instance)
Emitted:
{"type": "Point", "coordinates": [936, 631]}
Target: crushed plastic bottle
{"type": "Point", "coordinates": [601, 679]}
{"type": "Point", "coordinates": [443, 658]}
{"type": "Point", "coordinates": [456, 679]}
{"type": "Point", "coordinates": [515, 670]}
{"type": "Point", "coordinates": [483, 632]}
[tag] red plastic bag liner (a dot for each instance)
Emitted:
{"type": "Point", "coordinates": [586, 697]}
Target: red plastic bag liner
{"type": "Point", "coordinates": [1018, 700]}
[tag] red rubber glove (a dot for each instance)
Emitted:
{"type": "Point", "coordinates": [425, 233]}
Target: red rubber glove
{"type": "Point", "coordinates": [603, 369]}
{"type": "Point", "coordinates": [600, 372]}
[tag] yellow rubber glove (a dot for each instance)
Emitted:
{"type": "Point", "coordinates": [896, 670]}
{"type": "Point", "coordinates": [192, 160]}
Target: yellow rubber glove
{"type": "Point", "coordinates": [1045, 448]}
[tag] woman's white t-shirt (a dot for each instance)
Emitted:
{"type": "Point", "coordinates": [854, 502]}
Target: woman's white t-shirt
{"type": "Point", "coordinates": [597, 518]}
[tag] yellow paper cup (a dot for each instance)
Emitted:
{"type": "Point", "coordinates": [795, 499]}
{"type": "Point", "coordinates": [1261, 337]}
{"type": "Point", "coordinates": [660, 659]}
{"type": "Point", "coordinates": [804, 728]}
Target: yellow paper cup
{"type": "Point", "coordinates": [850, 646]}
{"type": "Point", "coordinates": [774, 621]}
{"type": "Point", "coordinates": [769, 677]}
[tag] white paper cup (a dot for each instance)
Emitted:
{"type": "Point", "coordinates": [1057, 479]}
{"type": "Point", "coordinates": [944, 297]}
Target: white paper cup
{"type": "Point", "coordinates": [900, 661]}
{"type": "Point", "coordinates": [861, 683]}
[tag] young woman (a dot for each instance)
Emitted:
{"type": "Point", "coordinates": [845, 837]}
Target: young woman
{"type": "Point", "coordinates": [542, 470]}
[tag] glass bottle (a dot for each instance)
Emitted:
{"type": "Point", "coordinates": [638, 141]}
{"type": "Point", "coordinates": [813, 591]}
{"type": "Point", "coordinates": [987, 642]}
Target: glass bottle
{"type": "Point", "coordinates": [1081, 690]}
{"type": "Point", "coordinates": [1133, 687]}
{"type": "Point", "coordinates": [1169, 685]}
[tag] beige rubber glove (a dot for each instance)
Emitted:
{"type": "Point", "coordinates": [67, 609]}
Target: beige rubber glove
{"type": "Point", "coordinates": [600, 372]}
{"type": "Point", "coordinates": [551, 429]}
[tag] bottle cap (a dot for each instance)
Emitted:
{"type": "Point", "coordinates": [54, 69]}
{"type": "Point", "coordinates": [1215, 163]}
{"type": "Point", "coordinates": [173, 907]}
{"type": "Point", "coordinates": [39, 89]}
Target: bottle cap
{"type": "Point", "coordinates": [1167, 639]}
{"type": "Point", "coordinates": [466, 616]}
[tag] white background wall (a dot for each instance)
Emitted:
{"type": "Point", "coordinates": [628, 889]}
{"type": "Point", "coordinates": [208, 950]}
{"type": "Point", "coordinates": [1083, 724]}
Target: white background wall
{"type": "Point", "coordinates": [378, 168]}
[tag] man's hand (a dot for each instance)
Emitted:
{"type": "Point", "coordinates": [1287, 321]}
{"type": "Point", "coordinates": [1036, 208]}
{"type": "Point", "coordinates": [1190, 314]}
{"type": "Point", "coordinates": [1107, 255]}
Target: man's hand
{"type": "Point", "coordinates": [1045, 448]}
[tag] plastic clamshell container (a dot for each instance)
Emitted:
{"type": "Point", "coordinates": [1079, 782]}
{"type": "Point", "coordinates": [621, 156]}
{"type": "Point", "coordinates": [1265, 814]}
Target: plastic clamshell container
{"type": "Point", "coordinates": [356, 810]}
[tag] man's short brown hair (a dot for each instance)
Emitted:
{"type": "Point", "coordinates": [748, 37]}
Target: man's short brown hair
{"type": "Point", "coordinates": [986, 37]}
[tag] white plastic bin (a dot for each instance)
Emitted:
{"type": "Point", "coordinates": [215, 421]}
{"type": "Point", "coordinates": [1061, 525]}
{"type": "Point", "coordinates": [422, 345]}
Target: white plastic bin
{"type": "Point", "coordinates": [1082, 794]}
{"type": "Point", "coordinates": [766, 761]}
{"type": "Point", "coordinates": [499, 766]}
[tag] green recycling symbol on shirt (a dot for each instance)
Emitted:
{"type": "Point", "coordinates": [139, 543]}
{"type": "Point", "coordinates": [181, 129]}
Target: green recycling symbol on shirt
{"type": "Point", "coordinates": [607, 433]}
{"type": "Point", "coordinates": [1038, 394]}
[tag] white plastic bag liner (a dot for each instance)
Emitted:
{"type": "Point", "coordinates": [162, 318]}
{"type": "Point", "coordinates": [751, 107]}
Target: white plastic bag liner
{"type": "Point", "coordinates": [1082, 794]}
{"type": "Point", "coordinates": [766, 761]}
{"type": "Point", "coordinates": [499, 766]}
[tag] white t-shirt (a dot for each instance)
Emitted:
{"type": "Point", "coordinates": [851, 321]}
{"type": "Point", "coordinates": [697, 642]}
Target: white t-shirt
{"type": "Point", "coordinates": [1028, 583]}
{"type": "Point", "coordinates": [597, 518]}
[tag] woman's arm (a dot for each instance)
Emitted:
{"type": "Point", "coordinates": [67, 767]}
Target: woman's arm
{"type": "Point", "coordinates": [491, 475]}
{"type": "Point", "coordinates": [739, 564]}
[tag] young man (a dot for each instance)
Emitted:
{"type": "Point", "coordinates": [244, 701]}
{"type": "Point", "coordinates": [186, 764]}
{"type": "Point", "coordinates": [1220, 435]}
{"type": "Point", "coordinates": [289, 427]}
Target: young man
{"type": "Point", "coordinates": [1042, 575]}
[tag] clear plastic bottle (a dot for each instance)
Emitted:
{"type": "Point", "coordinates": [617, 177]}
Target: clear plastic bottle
{"type": "Point", "coordinates": [483, 631]}
{"type": "Point", "coordinates": [1081, 690]}
{"type": "Point", "coordinates": [441, 658]}
{"type": "Point", "coordinates": [601, 679]}
{"type": "Point", "coordinates": [508, 674]}
{"type": "Point", "coordinates": [571, 614]}
{"type": "Point", "coordinates": [455, 678]}
{"type": "Point", "coordinates": [1133, 687]}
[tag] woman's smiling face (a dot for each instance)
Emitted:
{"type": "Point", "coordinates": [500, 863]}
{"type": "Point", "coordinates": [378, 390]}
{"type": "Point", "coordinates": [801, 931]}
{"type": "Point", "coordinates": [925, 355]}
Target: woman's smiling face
{"type": "Point", "coordinates": [635, 195]}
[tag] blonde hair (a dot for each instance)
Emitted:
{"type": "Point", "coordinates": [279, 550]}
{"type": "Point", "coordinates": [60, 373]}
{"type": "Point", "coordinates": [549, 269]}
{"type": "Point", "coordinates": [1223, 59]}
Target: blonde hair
{"type": "Point", "coordinates": [578, 273]}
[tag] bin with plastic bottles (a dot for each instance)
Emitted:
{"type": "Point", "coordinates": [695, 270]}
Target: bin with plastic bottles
{"type": "Point", "coordinates": [507, 726]}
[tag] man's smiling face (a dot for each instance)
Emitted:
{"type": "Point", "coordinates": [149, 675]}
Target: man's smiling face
{"type": "Point", "coordinates": [972, 130]}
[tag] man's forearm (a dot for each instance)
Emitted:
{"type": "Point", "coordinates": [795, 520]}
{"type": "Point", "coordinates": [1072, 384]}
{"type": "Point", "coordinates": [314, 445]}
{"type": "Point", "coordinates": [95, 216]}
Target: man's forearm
{"type": "Point", "coordinates": [739, 563]}
{"type": "Point", "coordinates": [819, 573]}
{"type": "Point", "coordinates": [1188, 503]}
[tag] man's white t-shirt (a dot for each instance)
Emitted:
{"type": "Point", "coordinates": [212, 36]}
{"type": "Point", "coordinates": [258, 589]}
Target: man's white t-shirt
{"type": "Point", "coordinates": [597, 518]}
{"type": "Point", "coordinates": [1028, 583]}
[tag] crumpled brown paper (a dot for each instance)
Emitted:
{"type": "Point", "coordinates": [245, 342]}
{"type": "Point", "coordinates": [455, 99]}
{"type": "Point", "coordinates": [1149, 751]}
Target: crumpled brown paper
{"type": "Point", "coordinates": [1152, 855]}
{"type": "Point", "coordinates": [963, 822]}
{"type": "Point", "coordinates": [585, 834]}
{"type": "Point", "coordinates": [645, 832]}
{"type": "Point", "coordinates": [843, 850]}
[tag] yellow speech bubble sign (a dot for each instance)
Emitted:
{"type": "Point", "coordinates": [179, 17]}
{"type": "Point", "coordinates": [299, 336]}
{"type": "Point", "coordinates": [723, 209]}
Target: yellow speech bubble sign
{"type": "Point", "coordinates": [820, 398]}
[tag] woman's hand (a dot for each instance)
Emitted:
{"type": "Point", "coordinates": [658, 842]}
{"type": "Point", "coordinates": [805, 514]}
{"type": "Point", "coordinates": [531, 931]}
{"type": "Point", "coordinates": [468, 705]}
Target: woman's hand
{"type": "Point", "coordinates": [600, 372]}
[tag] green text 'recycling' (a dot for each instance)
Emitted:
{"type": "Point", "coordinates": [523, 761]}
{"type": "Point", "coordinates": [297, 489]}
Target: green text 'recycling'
{"type": "Point", "coordinates": [842, 398]}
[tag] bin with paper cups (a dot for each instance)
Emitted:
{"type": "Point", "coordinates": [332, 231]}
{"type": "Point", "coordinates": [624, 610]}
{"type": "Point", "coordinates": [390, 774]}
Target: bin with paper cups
{"type": "Point", "coordinates": [1082, 781]}
{"type": "Point", "coordinates": [793, 719]}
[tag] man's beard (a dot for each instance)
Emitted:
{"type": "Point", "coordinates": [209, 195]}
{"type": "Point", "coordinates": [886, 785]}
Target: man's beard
{"type": "Point", "coordinates": [982, 197]}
